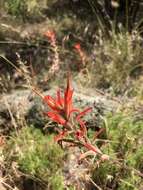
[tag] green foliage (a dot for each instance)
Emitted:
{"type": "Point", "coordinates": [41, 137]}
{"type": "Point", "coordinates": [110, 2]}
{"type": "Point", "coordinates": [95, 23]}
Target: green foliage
{"type": "Point", "coordinates": [15, 7]}
{"type": "Point", "coordinates": [37, 155]}
{"type": "Point", "coordinates": [126, 152]}
{"type": "Point", "coordinates": [57, 182]}
{"type": "Point", "coordinates": [23, 8]}
{"type": "Point", "coordinates": [27, 9]}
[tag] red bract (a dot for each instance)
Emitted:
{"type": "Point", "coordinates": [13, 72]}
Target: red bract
{"type": "Point", "coordinates": [50, 35]}
{"type": "Point", "coordinates": [68, 107]}
{"type": "Point", "coordinates": [61, 107]}
{"type": "Point", "coordinates": [56, 117]}
{"type": "Point", "coordinates": [84, 112]}
{"type": "Point", "coordinates": [77, 46]}
{"type": "Point", "coordinates": [82, 123]}
{"type": "Point", "coordinates": [93, 148]}
{"type": "Point", "coordinates": [53, 104]}
{"type": "Point", "coordinates": [82, 126]}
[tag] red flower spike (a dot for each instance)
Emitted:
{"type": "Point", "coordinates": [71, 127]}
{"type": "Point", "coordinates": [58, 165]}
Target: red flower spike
{"type": "Point", "coordinates": [62, 106]}
{"type": "Point", "coordinates": [56, 117]}
{"type": "Point", "coordinates": [75, 128]}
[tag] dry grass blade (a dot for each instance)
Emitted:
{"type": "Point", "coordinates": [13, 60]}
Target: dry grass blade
{"type": "Point", "coordinates": [11, 116]}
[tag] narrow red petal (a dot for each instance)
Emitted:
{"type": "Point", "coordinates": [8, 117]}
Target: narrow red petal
{"type": "Point", "coordinates": [60, 100]}
{"type": "Point", "coordinates": [68, 98]}
{"type": "Point", "coordinates": [56, 117]}
{"type": "Point", "coordinates": [73, 110]}
{"type": "Point", "coordinates": [68, 105]}
{"type": "Point", "coordinates": [93, 148]}
{"type": "Point", "coordinates": [82, 126]}
{"type": "Point", "coordinates": [68, 92]}
{"type": "Point", "coordinates": [83, 113]}
{"type": "Point", "coordinates": [52, 103]}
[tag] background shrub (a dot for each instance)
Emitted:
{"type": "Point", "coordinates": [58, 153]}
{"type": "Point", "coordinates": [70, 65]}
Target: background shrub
{"type": "Point", "coordinates": [37, 156]}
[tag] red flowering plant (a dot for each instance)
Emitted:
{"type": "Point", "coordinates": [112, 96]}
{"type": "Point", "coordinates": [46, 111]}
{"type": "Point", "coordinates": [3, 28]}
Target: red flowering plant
{"type": "Point", "coordinates": [72, 127]}
{"type": "Point", "coordinates": [82, 55]}
{"type": "Point", "coordinates": [51, 35]}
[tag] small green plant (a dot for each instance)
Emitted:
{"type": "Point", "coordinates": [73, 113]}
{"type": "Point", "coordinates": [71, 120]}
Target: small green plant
{"type": "Point", "coordinates": [23, 9]}
{"type": "Point", "coordinates": [124, 170]}
{"type": "Point", "coordinates": [37, 156]}
{"type": "Point", "coordinates": [16, 7]}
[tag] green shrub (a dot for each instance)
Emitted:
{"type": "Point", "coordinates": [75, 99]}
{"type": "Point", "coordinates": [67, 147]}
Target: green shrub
{"type": "Point", "coordinates": [126, 152]}
{"type": "Point", "coordinates": [37, 155]}
{"type": "Point", "coordinates": [23, 8]}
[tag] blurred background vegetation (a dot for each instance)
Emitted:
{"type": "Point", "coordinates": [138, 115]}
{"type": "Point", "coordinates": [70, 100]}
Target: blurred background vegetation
{"type": "Point", "coordinates": [110, 34]}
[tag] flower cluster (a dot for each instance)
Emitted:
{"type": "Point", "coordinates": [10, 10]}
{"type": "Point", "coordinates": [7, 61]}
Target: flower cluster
{"type": "Point", "coordinates": [82, 55]}
{"type": "Point", "coordinates": [72, 126]}
{"type": "Point", "coordinates": [50, 35]}
{"type": "Point", "coordinates": [56, 63]}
